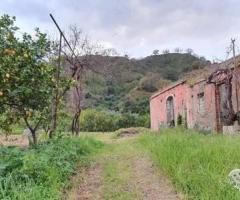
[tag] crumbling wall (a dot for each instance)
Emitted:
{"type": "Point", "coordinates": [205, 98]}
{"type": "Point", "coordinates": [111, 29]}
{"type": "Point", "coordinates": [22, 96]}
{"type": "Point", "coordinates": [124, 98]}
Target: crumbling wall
{"type": "Point", "coordinates": [236, 89]}
{"type": "Point", "coordinates": [208, 104]}
{"type": "Point", "coordinates": [158, 106]}
{"type": "Point", "coordinates": [201, 106]}
{"type": "Point", "coordinates": [222, 80]}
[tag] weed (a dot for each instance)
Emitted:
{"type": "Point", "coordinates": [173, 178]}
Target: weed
{"type": "Point", "coordinates": [197, 164]}
{"type": "Point", "coordinates": [40, 172]}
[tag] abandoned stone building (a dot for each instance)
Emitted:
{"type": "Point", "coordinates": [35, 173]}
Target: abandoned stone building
{"type": "Point", "coordinates": [207, 99]}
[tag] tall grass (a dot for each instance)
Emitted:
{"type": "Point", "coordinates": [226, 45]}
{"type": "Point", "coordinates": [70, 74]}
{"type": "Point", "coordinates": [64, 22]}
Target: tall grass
{"type": "Point", "coordinates": [198, 165]}
{"type": "Point", "coordinates": [40, 173]}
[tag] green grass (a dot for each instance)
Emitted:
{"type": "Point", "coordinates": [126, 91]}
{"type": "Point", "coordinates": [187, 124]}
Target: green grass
{"type": "Point", "coordinates": [197, 165]}
{"type": "Point", "coordinates": [41, 172]}
{"type": "Point", "coordinates": [117, 172]}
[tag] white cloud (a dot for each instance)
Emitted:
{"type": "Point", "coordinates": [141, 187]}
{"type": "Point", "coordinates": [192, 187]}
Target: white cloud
{"type": "Point", "coordinates": [138, 26]}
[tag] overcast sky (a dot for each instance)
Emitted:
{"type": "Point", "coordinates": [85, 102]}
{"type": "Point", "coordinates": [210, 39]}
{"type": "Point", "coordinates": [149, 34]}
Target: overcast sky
{"type": "Point", "coordinates": [137, 27]}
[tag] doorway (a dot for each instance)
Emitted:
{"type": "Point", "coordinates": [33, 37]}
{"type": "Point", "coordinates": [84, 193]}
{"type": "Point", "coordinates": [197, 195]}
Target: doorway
{"type": "Point", "coordinates": [170, 111]}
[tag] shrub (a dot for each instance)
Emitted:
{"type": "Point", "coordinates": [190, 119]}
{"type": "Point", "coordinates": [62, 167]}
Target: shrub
{"type": "Point", "coordinates": [97, 120]}
{"type": "Point", "coordinates": [93, 120]}
{"type": "Point", "coordinates": [64, 121]}
{"type": "Point", "coordinates": [40, 172]}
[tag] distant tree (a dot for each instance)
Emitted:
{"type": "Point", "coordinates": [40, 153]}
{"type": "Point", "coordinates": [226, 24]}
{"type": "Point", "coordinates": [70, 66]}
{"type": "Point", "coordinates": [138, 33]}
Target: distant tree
{"type": "Point", "coordinates": [170, 75]}
{"type": "Point", "coordinates": [178, 50]}
{"type": "Point", "coordinates": [155, 52]}
{"type": "Point", "coordinates": [202, 58]}
{"type": "Point", "coordinates": [107, 52]}
{"type": "Point", "coordinates": [166, 51]}
{"type": "Point", "coordinates": [189, 51]}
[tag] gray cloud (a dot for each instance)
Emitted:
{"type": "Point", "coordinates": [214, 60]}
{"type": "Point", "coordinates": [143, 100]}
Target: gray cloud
{"type": "Point", "coordinates": [138, 26]}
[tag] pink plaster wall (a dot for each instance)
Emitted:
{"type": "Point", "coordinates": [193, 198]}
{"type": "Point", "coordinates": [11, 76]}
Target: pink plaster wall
{"type": "Point", "coordinates": [158, 105]}
{"type": "Point", "coordinates": [186, 103]}
{"type": "Point", "coordinates": [204, 120]}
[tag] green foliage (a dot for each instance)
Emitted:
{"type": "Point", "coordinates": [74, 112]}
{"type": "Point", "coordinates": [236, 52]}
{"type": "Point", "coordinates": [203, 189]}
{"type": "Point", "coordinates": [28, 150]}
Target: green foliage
{"type": "Point", "coordinates": [39, 173]}
{"type": "Point", "coordinates": [130, 80]}
{"type": "Point", "coordinates": [93, 120]}
{"type": "Point", "coordinates": [140, 106]}
{"type": "Point", "coordinates": [198, 165]}
{"type": "Point", "coordinates": [155, 52]}
{"type": "Point", "coordinates": [97, 120]}
{"type": "Point", "coordinates": [7, 120]}
{"type": "Point", "coordinates": [25, 75]}
{"type": "Point", "coordinates": [64, 121]}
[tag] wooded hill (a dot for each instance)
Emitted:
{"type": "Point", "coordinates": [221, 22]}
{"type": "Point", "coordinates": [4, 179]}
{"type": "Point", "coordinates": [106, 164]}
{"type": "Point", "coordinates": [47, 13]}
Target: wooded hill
{"type": "Point", "coordinates": [123, 84]}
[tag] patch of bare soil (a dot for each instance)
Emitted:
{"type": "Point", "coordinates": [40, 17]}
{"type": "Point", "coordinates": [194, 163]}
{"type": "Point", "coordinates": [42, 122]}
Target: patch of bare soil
{"type": "Point", "coordinates": [127, 132]}
{"type": "Point", "coordinates": [13, 140]}
{"type": "Point", "coordinates": [87, 184]}
{"type": "Point", "coordinates": [150, 183]}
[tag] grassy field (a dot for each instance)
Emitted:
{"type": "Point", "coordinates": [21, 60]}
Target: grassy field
{"type": "Point", "coordinates": [126, 167]}
{"type": "Point", "coordinates": [41, 172]}
{"type": "Point", "coordinates": [198, 165]}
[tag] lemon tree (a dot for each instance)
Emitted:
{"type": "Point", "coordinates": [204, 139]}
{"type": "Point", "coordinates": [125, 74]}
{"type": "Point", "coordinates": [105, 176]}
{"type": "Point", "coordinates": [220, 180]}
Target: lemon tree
{"type": "Point", "coordinates": [26, 77]}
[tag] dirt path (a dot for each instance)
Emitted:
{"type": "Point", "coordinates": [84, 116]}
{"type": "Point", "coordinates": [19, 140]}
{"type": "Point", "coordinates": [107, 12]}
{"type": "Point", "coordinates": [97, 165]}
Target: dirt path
{"type": "Point", "coordinates": [87, 184]}
{"type": "Point", "coordinates": [151, 184]}
{"type": "Point", "coordinates": [123, 172]}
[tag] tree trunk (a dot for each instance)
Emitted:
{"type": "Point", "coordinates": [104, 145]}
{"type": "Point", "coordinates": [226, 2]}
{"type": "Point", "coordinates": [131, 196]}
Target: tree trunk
{"type": "Point", "coordinates": [33, 132]}
{"type": "Point", "coordinates": [34, 136]}
{"type": "Point", "coordinates": [56, 97]}
{"type": "Point", "coordinates": [76, 123]}
{"type": "Point", "coordinates": [54, 116]}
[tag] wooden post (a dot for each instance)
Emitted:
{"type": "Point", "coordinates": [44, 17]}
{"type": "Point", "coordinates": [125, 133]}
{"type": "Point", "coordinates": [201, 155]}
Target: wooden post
{"type": "Point", "coordinates": [235, 67]}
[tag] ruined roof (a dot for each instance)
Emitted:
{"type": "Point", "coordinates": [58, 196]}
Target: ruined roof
{"type": "Point", "coordinates": [198, 75]}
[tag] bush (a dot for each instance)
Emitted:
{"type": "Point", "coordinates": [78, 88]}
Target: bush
{"type": "Point", "coordinates": [40, 172]}
{"type": "Point", "coordinates": [64, 121]}
{"type": "Point", "coordinates": [95, 120]}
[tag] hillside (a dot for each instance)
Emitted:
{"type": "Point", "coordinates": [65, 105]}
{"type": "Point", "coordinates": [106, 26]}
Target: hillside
{"type": "Point", "coordinates": [125, 85]}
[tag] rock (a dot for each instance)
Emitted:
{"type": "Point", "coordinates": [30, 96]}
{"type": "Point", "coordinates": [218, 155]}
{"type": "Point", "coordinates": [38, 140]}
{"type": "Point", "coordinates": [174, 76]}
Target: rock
{"type": "Point", "coordinates": [234, 176]}
{"type": "Point", "coordinates": [231, 130]}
